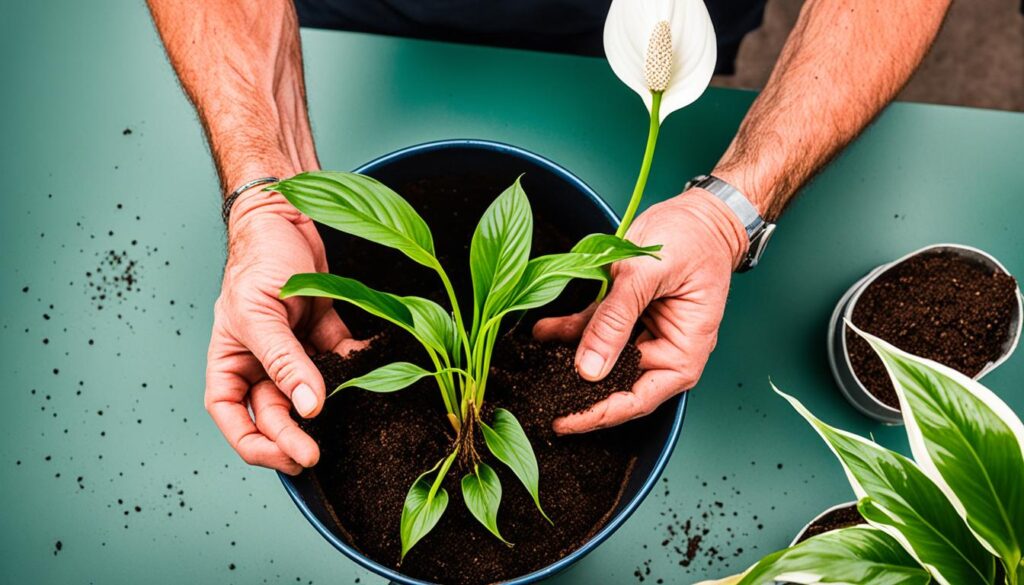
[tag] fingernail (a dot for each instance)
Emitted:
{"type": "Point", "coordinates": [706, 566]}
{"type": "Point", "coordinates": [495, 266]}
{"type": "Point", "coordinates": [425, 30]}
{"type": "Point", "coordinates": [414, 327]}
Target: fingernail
{"type": "Point", "coordinates": [304, 400]}
{"type": "Point", "coordinates": [591, 364]}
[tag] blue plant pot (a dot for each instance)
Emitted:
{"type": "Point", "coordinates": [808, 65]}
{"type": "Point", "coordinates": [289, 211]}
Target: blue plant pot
{"type": "Point", "coordinates": [559, 195]}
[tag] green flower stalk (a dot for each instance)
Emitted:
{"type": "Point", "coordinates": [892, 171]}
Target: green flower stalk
{"type": "Point", "coordinates": [657, 74]}
{"type": "Point", "coordinates": [673, 75]}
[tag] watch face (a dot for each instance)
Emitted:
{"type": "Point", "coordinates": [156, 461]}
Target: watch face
{"type": "Point", "coordinates": [759, 243]}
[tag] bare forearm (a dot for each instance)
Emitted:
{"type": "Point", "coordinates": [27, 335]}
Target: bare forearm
{"type": "Point", "coordinates": [844, 61]}
{"type": "Point", "coordinates": [240, 62]}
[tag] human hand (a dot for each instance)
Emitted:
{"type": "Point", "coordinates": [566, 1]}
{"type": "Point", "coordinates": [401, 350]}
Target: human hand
{"type": "Point", "coordinates": [256, 358]}
{"type": "Point", "coordinates": [679, 299]}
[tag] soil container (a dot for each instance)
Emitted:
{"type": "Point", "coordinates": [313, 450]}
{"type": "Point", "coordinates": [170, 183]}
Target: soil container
{"type": "Point", "coordinates": [838, 516]}
{"type": "Point", "coordinates": [374, 445]}
{"type": "Point", "coordinates": [954, 322]}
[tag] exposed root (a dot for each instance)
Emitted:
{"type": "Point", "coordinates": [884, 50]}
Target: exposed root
{"type": "Point", "coordinates": [468, 457]}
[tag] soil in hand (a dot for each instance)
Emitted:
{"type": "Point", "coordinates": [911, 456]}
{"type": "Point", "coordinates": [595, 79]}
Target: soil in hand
{"type": "Point", "coordinates": [935, 305]}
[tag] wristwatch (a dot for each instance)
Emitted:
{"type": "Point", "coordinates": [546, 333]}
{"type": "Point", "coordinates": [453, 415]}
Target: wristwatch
{"type": "Point", "coordinates": [758, 230]}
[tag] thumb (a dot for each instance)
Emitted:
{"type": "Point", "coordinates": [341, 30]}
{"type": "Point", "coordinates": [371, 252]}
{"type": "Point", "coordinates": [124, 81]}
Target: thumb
{"type": "Point", "coordinates": [611, 327]}
{"type": "Point", "coordinates": [284, 359]}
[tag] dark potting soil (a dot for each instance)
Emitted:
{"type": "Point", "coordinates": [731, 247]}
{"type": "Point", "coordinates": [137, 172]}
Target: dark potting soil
{"type": "Point", "coordinates": [840, 518]}
{"type": "Point", "coordinates": [373, 446]}
{"type": "Point", "coordinates": [935, 305]}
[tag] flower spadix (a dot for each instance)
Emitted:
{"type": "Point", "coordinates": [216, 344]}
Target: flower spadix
{"type": "Point", "coordinates": [661, 46]}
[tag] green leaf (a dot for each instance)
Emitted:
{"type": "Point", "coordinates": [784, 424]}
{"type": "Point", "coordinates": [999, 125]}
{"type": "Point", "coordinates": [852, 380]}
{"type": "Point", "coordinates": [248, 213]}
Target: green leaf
{"type": "Point", "coordinates": [508, 443]}
{"type": "Point", "coordinates": [968, 441]}
{"type": "Point", "coordinates": [425, 319]}
{"type": "Point", "coordinates": [500, 249]}
{"type": "Point", "coordinates": [424, 505]}
{"type": "Point", "coordinates": [482, 493]}
{"type": "Point", "coordinates": [384, 305]}
{"type": "Point", "coordinates": [432, 325]}
{"type": "Point", "coordinates": [614, 247]}
{"type": "Point", "coordinates": [389, 378]}
{"type": "Point", "coordinates": [859, 554]}
{"type": "Point", "coordinates": [911, 507]}
{"type": "Point", "coordinates": [363, 207]}
{"type": "Point", "coordinates": [545, 277]}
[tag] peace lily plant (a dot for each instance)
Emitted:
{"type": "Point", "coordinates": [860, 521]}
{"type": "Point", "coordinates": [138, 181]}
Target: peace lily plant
{"type": "Point", "coordinates": [953, 515]}
{"type": "Point", "coordinates": [665, 51]}
{"type": "Point", "coordinates": [505, 281]}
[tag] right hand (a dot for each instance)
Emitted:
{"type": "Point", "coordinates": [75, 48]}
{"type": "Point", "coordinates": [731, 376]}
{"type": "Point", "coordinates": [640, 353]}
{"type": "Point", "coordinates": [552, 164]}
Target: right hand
{"type": "Point", "coordinates": [256, 359]}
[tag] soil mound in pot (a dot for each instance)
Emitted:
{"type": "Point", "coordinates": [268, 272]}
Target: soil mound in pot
{"type": "Point", "coordinates": [373, 446]}
{"type": "Point", "coordinates": [935, 305]}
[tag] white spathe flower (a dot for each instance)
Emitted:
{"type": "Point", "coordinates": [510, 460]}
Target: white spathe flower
{"type": "Point", "coordinates": [662, 45]}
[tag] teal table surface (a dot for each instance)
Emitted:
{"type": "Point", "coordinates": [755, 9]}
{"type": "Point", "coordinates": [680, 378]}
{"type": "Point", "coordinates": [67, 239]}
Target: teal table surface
{"type": "Point", "coordinates": [110, 470]}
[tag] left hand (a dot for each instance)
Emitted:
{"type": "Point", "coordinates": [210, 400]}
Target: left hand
{"type": "Point", "coordinates": [679, 299]}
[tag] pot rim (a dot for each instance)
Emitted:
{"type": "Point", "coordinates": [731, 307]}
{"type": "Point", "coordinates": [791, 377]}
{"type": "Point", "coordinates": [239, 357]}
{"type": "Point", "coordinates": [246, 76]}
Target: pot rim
{"type": "Point", "coordinates": [828, 510]}
{"type": "Point", "coordinates": [626, 511]}
{"type": "Point", "coordinates": [846, 306]}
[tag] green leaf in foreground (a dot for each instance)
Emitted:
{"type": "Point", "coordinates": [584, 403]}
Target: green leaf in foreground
{"type": "Point", "coordinates": [507, 441]}
{"type": "Point", "coordinates": [482, 493]}
{"type": "Point", "coordinates": [968, 441]}
{"type": "Point", "coordinates": [500, 249]}
{"type": "Point", "coordinates": [361, 206]}
{"type": "Point", "coordinates": [388, 378]}
{"type": "Point", "coordinates": [381, 304]}
{"type": "Point", "coordinates": [860, 554]}
{"type": "Point", "coordinates": [545, 277]}
{"type": "Point", "coordinates": [424, 505]}
{"type": "Point", "coordinates": [905, 503]}
{"type": "Point", "coordinates": [423, 318]}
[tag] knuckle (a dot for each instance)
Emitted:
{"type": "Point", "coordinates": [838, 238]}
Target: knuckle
{"type": "Point", "coordinates": [637, 289]}
{"type": "Point", "coordinates": [713, 341]}
{"type": "Point", "coordinates": [219, 307]}
{"type": "Point", "coordinates": [645, 408]}
{"type": "Point", "coordinates": [247, 451]}
{"type": "Point", "coordinates": [687, 378]}
{"type": "Point", "coordinates": [278, 363]}
{"type": "Point", "coordinates": [687, 382]}
{"type": "Point", "coordinates": [640, 407]}
{"type": "Point", "coordinates": [606, 330]}
{"type": "Point", "coordinates": [616, 317]}
{"type": "Point", "coordinates": [248, 457]}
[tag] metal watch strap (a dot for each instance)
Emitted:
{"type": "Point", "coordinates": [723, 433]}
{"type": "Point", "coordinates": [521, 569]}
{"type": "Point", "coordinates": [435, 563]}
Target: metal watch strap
{"type": "Point", "coordinates": [758, 230]}
{"type": "Point", "coordinates": [229, 201]}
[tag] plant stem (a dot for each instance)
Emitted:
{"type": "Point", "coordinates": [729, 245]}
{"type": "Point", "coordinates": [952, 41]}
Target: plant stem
{"type": "Point", "coordinates": [641, 180]}
{"type": "Point", "coordinates": [467, 384]}
{"type": "Point", "coordinates": [485, 367]}
{"type": "Point", "coordinates": [442, 380]}
{"type": "Point", "coordinates": [440, 474]}
{"type": "Point", "coordinates": [645, 166]}
{"type": "Point", "coordinates": [1012, 573]}
{"type": "Point", "coordinates": [455, 308]}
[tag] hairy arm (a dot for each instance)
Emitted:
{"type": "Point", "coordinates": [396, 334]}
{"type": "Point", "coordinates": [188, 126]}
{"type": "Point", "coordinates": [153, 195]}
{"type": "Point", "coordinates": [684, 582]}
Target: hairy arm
{"type": "Point", "coordinates": [240, 63]}
{"type": "Point", "coordinates": [843, 62]}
